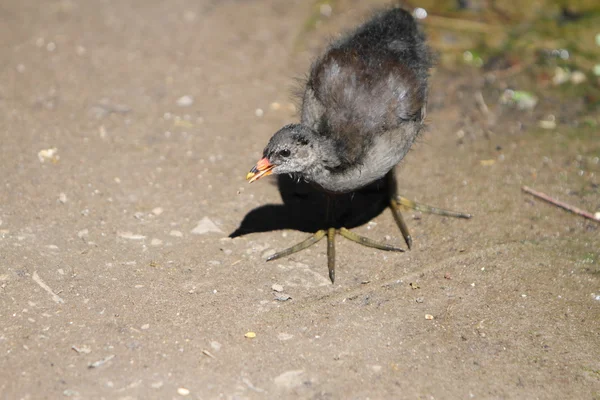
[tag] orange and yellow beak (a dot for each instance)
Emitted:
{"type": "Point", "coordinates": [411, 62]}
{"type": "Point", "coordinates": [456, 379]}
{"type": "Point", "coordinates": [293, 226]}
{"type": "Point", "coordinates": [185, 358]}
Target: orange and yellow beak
{"type": "Point", "coordinates": [262, 168]}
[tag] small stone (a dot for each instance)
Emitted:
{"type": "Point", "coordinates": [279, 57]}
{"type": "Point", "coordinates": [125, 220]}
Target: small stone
{"type": "Point", "coordinates": [216, 346]}
{"type": "Point", "coordinates": [157, 211]}
{"type": "Point", "coordinates": [428, 316]}
{"type": "Point", "coordinates": [156, 385]}
{"type": "Point", "coordinates": [48, 155]}
{"type": "Point", "coordinates": [185, 101]}
{"type": "Point", "coordinates": [290, 379]}
{"type": "Point", "coordinates": [282, 297]}
{"type": "Point", "coordinates": [250, 335]}
{"type": "Point", "coordinates": [83, 233]}
{"type": "Point", "coordinates": [276, 287]}
{"type": "Point", "coordinates": [376, 368]}
{"type": "Point", "coordinates": [176, 233]}
{"type": "Point", "coordinates": [131, 236]}
{"type": "Point", "coordinates": [206, 226]}
{"type": "Point", "coordinates": [259, 112]}
{"type": "Point", "coordinates": [62, 198]}
{"type": "Point", "coordinates": [145, 326]}
{"type": "Point", "coordinates": [183, 391]}
{"type": "Point", "coordinates": [275, 106]}
{"type": "Point", "coordinates": [284, 336]}
{"type": "Point", "coordinates": [156, 242]}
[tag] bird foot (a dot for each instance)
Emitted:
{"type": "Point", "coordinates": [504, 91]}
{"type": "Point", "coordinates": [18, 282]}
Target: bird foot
{"type": "Point", "coordinates": [399, 202]}
{"type": "Point", "coordinates": [330, 233]}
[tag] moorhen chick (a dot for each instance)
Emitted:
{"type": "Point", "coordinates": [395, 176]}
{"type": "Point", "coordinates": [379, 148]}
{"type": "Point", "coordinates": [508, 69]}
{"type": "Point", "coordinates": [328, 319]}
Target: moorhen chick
{"type": "Point", "coordinates": [363, 106]}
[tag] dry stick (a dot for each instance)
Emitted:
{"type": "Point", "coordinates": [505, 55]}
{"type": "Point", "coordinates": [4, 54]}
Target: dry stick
{"type": "Point", "coordinates": [560, 204]}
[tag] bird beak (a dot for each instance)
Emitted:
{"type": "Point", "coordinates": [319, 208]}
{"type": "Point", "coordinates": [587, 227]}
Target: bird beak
{"type": "Point", "coordinates": [262, 168]}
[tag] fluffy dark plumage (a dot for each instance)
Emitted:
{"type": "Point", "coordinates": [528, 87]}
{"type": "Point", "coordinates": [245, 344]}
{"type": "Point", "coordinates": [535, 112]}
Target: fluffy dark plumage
{"type": "Point", "coordinates": [371, 81]}
{"type": "Point", "coordinates": [362, 108]}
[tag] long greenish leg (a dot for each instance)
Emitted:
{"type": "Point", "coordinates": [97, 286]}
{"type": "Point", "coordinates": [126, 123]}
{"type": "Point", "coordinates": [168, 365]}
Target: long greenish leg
{"type": "Point", "coordinates": [403, 201]}
{"type": "Point", "coordinates": [401, 224]}
{"type": "Point", "coordinates": [331, 253]}
{"type": "Point", "coordinates": [300, 246]}
{"type": "Point", "coordinates": [397, 202]}
{"type": "Point", "coordinates": [365, 241]}
{"type": "Point", "coordinates": [393, 193]}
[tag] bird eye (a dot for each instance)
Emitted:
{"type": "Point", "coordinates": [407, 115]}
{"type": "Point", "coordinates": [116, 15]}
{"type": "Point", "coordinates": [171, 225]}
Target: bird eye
{"type": "Point", "coordinates": [284, 153]}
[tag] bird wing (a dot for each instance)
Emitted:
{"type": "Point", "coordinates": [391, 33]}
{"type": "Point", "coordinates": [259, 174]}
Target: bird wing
{"type": "Point", "coordinates": [351, 97]}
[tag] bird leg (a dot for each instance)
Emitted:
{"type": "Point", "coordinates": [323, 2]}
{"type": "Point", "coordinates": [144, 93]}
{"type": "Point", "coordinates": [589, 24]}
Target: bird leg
{"type": "Point", "coordinates": [316, 237]}
{"type": "Point", "coordinates": [330, 233]}
{"type": "Point", "coordinates": [397, 202]}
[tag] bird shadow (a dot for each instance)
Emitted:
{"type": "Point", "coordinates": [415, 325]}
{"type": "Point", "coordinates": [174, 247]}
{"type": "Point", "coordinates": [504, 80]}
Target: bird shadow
{"type": "Point", "coordinates": [304, 208]}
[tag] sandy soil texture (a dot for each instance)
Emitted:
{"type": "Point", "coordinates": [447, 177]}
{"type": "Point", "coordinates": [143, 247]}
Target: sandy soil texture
{"type": "Point", "coordinates": [127, 128]}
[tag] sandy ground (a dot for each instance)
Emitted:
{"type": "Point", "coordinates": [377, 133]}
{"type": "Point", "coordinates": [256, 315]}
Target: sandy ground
{"type": "Point", "coordinates": [117, 276]}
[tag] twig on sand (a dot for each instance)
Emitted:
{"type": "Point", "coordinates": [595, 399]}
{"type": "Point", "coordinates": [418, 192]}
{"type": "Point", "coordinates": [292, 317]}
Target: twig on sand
{"type": "Point", "coordinates": [36, 278]}
{"type": "Point", "coordinates": [100, 363]}
{"type": "Point", "coordinates": [560, 204]}
{"type": "Point", "coordinates": [208, 354]}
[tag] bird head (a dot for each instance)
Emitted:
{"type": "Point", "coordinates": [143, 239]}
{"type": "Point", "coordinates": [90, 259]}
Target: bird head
{"type": "Point", "coordinates": [291, 150]}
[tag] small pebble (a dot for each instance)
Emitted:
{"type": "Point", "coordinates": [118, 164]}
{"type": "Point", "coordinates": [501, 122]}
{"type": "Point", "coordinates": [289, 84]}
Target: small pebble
{"type": "Point", "coordinates": [131, 236]}
{"type": "Point", "coordinates": [183, 391]}
{"type": "Point", "coordinates": [157, 211]}
{"type": "Point", "coordinates": [185, 101]}
{"type": "Point", "coordinates": [276, 287]}
{"type": "Point", "coordinates": [176, 233]}
{"type": "Point", "coordinates": [156, 242]}
{"type": "Point", "coordinates": [48, 155]}
{"type": "Point", "coordinates": [83, 233]}
{"type": "Point", "coordinates": [259, 112]}
{"type": "Point", "coordinates": [206, 226]}
{"type": "Point", "coordinates": [282, 297]}
{"type": "Point", "coordinates": [428, 316]}
{"type": "Point", "coordinates": [62, 198]}
{"type": "Point", "coordinates": [145, 326]}
{"type": "Point", "coordinates": [215, 345]}
{"type": "Point", "coordinates": [250, 335]}
{"type": "Point", "coordinates": [284, 336]}
{"type": "Point", "coordinates": [376, 368]}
